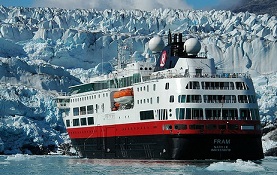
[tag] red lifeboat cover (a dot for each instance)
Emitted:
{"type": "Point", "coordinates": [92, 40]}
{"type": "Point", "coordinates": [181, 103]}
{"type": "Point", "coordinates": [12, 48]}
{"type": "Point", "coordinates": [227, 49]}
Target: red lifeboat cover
{"type": "Point", "coordinates": [124, 96]}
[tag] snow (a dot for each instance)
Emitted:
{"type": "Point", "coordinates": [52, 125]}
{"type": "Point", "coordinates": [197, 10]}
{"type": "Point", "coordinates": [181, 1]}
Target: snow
{"type": "Point", "coordinates": [45, 50]}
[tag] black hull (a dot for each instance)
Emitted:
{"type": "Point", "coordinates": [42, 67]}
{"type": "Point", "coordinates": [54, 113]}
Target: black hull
{"type": "Point", "coordinates": [172, 147]}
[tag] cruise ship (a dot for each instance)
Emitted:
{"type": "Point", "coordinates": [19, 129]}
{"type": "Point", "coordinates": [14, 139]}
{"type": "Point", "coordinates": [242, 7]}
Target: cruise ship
{"type": "Point", "coordinates": [178, 107]}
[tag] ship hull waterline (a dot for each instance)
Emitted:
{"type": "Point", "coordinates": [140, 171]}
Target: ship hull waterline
{"type": "Point", "coordinates": [172, 147]}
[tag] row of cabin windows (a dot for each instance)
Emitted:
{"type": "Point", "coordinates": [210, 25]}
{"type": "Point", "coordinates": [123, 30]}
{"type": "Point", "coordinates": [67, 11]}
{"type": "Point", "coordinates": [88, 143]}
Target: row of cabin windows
{"type": "Point", "coordinates": [143, 101]}
{"type": "Point", "coordinates": [211, 114]}
{"type": "Point", "coordinates": [217, 85]}
{"type": "Point", "coordinates": [80, 121]}
{"type": "Point", "coordinates": [146, 88]}
{"type": "Point", "coordinates": [83, 110]}
{"type": "Point", "coordinates": [208, 127]}
{"type": "Point", "coordinates": [198, 113]}
{"type": "Point", "coordinates": [90, 97]}
{"type": "Point", "coordinates": [214, 99]}
{"type": "Point", "coordinates": [186, 113]}
{"type": "Point", "coordinates": [205, 85]}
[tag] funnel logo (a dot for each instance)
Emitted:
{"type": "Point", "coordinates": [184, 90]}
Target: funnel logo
{"type": "Point", "coordinates": [163, 59]}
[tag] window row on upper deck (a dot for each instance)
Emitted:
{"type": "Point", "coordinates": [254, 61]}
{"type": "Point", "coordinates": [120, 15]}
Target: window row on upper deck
{"type": "Point", "coordinates": [88, 97]}
{"type": "Point", "coordinates": [90, 109]}
{"type": "Point", "coordinates": [217, 85]}
{"type": "Point", "coordinates": [214, 99]}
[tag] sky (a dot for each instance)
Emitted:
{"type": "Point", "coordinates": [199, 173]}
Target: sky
{"type": "Point", "coordinates": [123, 4]}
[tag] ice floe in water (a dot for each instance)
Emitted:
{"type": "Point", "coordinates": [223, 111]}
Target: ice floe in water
{"type": "Point", "coordinates": [19, 157]}
{"type": "Point", "coordinates": [239, 165]}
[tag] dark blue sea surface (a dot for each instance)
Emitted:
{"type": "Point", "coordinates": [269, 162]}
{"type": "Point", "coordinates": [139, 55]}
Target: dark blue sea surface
{"type": "Point", "coordinates": [60, 165]}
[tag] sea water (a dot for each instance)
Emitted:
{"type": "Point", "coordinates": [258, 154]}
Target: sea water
{"type": "Point", "coordinates": [66, 165]}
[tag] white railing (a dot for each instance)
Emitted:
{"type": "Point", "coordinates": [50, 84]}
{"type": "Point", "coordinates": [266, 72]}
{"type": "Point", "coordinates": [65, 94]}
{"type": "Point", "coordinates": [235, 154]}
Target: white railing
{"type": "Point", "coordinates": [169, 74]}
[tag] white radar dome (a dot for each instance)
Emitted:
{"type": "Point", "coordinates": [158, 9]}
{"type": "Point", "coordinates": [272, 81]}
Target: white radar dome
{"type": "Point", "coordinates": [156, 44]}
{"type": "Point", "coordinates": [192, 46]}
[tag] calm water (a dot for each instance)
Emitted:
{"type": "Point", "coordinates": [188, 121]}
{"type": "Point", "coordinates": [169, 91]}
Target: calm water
{"type": "Point", "coordinates": [59, 165]}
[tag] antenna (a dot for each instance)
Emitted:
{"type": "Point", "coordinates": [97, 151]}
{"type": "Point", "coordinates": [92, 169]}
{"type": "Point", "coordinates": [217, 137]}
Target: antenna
{"type": "Point", "coordinates": [102, 61]}
{"type": "Point", "coordinates": [125, 49]}
{"type": "Point", "coordinates": [206, 51]}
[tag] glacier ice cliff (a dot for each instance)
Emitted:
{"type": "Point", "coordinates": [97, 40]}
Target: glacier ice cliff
{"type": "Point", "coordinates": [45, 50]}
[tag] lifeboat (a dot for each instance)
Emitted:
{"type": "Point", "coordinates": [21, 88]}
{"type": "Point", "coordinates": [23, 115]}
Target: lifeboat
{"type": "Point", "coordinates": [124, 96]}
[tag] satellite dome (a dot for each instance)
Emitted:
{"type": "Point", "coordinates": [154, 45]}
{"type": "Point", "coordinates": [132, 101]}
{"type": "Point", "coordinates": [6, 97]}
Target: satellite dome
{"type": "Point", "coordinates": [156, 44]}
{"type": "Point", "coordinates": [192, 46]}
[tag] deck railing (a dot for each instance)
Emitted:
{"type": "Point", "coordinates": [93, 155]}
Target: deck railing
{"type": "Point", "coordinates": [170, 74]}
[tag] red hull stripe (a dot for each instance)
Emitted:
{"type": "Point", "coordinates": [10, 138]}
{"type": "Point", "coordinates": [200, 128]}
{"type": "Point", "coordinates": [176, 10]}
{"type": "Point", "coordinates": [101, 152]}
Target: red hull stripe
{"type": "Point", "coordinates": [166, 127]}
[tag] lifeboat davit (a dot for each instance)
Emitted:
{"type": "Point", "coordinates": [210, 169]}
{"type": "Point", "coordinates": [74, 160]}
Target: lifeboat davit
{"type": "Point", "coordinates": [124, 96]}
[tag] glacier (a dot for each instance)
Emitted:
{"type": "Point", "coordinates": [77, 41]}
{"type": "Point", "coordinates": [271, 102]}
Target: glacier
{"type": "Point", "coordinates": [43, 51]}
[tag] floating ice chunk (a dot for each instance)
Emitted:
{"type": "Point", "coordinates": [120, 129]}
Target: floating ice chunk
{"type": "Point", "coordinates": [19, 157]}
{"type": "Point", "coordinates": [239, 165]}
